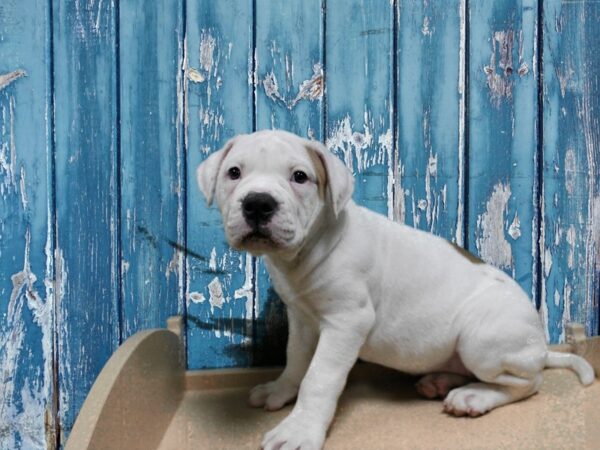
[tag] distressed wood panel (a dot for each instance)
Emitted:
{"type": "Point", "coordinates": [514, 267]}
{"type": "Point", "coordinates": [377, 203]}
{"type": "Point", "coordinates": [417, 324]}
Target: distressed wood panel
{"type": "Point", "coordinates": [86, 136]}
{"type": "Point", "coordinates": [502, 184]}
{"type": "Point", "coordinates": [289, 66]}
{"type": "Point", "coordinates": [151, 162]}
{"type": "Point", "coordinates": [571, 190]}
{"type": "Point", "coordinates": [27, 411]}
{"type": "Point", "coordinates": [431, 102]}
{"type": "Point", "coordinates": [360, 96]}
{"type": "Point", "coordinates": [289, 92]}
{"type": "Point", "coordinates": [219, 105]}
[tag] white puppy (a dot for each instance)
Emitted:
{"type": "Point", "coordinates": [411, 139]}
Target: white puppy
{"type": "Point", "coordinates": [357, 285]}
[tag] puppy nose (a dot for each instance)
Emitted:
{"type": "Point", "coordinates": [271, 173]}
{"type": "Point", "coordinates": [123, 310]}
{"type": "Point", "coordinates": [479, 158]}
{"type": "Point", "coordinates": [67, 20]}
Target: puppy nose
{"type": "Point", "coordinates": [258, 208]}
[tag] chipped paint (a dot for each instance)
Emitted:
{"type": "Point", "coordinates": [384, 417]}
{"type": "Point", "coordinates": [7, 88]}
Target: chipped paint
{"type": "Point", "coordinates": [207, 50]}
{"type": "Point", "coordinates": [8, 78]}
{"type": "Point", "coordinates": [216, 296]}
{"type": "Point", "coordinates": [8, 152]}
{"type": "Point", "coordinates": [212, 264]}
{"type": "Point", "coordinates": [586, 109]}
{"type": "Point", "coordinates": [515, 227]}
{"type": "Point", "coordinates": [401, 194]}
{"type": "Point", "coordinates": [500, 84]}
{"type": "Point", "coordinates": [547, 262]}
{"type": "Point", "coordinates": [247, 292]}
{"type": "Point", "coordinates": [61, 277]}
{"type": "Point", "coordinates": [570, 171]}
{"type": "Point", "coordinates": [431, 202]}
{"type": "Point", "coordinates": [461, 150]}
{"type": "Point", "coordinates": [311, 89]}
{"type": "Point", "coordinates": [271, 87]}
{"type": "Point", "coordinates": [354, 145]}
{"type": "Point", "coordinates": [425, 29]}
{"type": "Point", "coordinates": [174, 264]}
{"type": "Point", "coordinates": [571, 238]}
{"type": "Point", "coordinates": [33, 397]}
{"type": "Point", "coordinates": [491, 242]}
{"type": "Point", "coordinates": [196, 297]}
{"type": "Point", "coordinates": [194, 75]}
{"type": "Point", "coordinates": [23, 190]}
{"type": "Point", "coordinates": [385, 142]}
{"type": "Point", "coordinates": [564, 78]}
{"type": "Point", "coordinates": [523, 69]}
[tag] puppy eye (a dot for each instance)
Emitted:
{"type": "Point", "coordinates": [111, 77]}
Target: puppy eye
{"type": "Point", "coordinates": [300, 177]}
{"type": "Point", "coordinates": [234, 173]}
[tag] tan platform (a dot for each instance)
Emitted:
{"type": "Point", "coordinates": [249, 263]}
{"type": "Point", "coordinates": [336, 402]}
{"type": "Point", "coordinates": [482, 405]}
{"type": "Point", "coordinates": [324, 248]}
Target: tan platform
{"type": "Point", "coordinates": [143, 399]}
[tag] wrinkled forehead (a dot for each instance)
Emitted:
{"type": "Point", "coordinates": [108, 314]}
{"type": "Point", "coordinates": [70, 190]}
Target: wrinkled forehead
{"type": "Point", "coordinates": [269, 151]}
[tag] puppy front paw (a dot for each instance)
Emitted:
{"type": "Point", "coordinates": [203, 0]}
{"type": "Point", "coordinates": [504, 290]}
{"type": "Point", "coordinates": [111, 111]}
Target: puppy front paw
{"type": "Point", "coordinates": [294, 433]}
{"type": "Point", "coordinates": [273, 395]}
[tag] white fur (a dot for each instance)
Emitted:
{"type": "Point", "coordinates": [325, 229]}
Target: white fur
{"type": "Point", "coordinates": [357, 285]}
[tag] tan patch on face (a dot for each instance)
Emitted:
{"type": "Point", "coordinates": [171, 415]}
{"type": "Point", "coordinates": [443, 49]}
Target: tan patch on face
{"type": "Point", "coordinates": [465, 254]}
{"type": "Point", "coordinates": [321, 172]}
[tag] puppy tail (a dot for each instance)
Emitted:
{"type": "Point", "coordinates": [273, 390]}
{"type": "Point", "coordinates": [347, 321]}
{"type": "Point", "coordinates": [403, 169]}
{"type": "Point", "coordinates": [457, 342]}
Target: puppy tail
{"type": "Point", "coordinates": [576, 363]}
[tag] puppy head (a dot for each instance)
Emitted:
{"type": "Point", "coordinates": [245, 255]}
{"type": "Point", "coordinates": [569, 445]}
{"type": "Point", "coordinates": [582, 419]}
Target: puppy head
{"type": "Point", "coordinates": [271, 187]}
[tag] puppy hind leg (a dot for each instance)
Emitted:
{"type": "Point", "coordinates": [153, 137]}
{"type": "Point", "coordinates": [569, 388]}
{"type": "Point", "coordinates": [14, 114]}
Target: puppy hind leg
{"type": "Point", "coordinates": [476, 399]}
{"type": "Point", "coordinates": [437, 385]}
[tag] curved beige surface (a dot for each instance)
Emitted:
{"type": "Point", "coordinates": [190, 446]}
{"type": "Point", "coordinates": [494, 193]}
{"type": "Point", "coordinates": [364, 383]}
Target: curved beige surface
{"type": "Point", "coordinates": [142, 400]}
{"type": "Point", "coordinates": [135, 396]}
{"type": "Point", "coordinates": [380, 410]}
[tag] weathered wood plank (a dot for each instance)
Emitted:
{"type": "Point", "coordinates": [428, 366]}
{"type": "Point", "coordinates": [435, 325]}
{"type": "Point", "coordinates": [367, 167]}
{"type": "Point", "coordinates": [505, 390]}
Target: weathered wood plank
{"type": "Point", "coordinates": [151, 53]}
{"type": "Point", "coordinates": [502, 111]}
{"type": "Point", "coordinates": [430, 115]}
{"type": "Point", "coordinates": [289, 92]}
{"type": "Point", "coordinates": [27, 412]}
{"type": "Point", "coordinates": [87, 190]}
{"type": "Point", "coordinates": [359, 96]}
{"type": "Point", "coordinates": [219, 105]}
{"type": "Point", "coordinates": [571, 188]}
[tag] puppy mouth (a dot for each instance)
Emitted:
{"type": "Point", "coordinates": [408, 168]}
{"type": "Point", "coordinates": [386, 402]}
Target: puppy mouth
{"type": "Point", "coordinates": [258, 235]}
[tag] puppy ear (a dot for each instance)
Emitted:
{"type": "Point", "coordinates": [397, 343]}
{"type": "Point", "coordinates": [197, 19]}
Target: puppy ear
{"type": "Point", "coordinates": [207, 171]}
{"type": "Point", "coordinates": [339, 180]}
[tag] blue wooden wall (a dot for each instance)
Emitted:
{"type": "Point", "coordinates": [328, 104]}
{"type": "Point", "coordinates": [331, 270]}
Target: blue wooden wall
{"type": "Point", "coordinates": [478, 121]}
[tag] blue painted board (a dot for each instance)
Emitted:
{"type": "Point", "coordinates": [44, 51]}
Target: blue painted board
{"type": "Point", "coordinates": [289, 93]}
{"type": "Point", "coordinates": [151, 163]}
{"type": "Point", "coordinates": [571, 185]}
{"type": "Point", "coordinates": [218, 105]}
{"type": "Point", "coordinates": [431, 119]}
{"type": "Point", "coordinates": [289, 66]}
{"type": "Point", "coordinates": [502, 110]}
{"type": "Point", "coordinates": [359, 96]}
{"type": "Point", "coordinates": [87, 191]}
{"type": "Point", "coordinates": [27, 410]}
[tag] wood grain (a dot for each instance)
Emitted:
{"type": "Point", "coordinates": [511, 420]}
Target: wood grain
{"type": "Point", "coordinates": [87, 191]}
{"type": "Point", "coordinates": [27, 408]}
{"type": "Point", "coordinates": [359, 96]}
{"type": "Point", "coordinates": [151, 162]}
{"type": "Point", "coordinates": [218, 105]}
{"type": "Point", "coordinates": [430, 112]}
{"type": "Point", "coordinates": [570, 237]}
{"type": "Point", "coordinates": [502, 110]}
